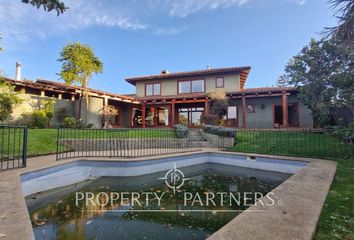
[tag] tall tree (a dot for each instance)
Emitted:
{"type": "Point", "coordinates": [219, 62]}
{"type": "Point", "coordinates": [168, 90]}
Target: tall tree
{"type": "Point", "coordinates": [324, 73]}
{"type": "Point", "coordinates": [344, 32]}
{"type": "Point", "coordinates": [48, 5]}
{"type": "Point", "coordinates": [8, 99]}
{"type": "Point", "coordinates": [79, 63]}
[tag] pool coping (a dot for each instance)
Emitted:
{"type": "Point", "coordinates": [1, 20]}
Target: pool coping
{"type": "Point", "coordinates": [302, 195]}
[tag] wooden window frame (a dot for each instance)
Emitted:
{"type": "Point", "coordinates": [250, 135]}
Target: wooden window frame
{"type": "Point", "coordinates": [190, 85]}
{"type": "Point", "coordinates": [227, 117]}
{"type": "Point", "coordinates": [216, 82]}
{"type": "Point", "coordinates": [153, 89]}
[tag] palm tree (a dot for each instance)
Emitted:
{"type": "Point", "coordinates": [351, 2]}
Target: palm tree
{"type": "Point", "coordinates": [344, 32]}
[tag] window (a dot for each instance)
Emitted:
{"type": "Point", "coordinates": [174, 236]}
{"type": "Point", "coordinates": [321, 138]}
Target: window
{"type": "Point", "coordinates": [232, 116]}
{"type": "Point", "coordinates": [152, 89]}
{"type": "Point", "coordinates": [192, 86]}
{"type": "Point", "coordinates": [198, 86]}
{"type": "Point", "coordinates": [219, 82]}
{"type": "Point", "coordinates": [184, 87]}
{"type": "Point", "coordinates": [136, 117]}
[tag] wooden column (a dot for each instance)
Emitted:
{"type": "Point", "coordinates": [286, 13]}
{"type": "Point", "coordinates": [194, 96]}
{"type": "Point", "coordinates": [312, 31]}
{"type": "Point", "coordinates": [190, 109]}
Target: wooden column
{"type": "Point", "coordinates": [42, 93]}
{"type": "Point", "coordinates": [60, 96]}
{"type": "Point", "coordinates": [173, 112]}
{"type": "Point", "coordinates": [206, 106]}
{"type": "Point", "coordinates": [143, 113]}
{"type": "Point", "coordinates": [72, 97]}
{"type": "Point", "coordinates": [105, 101]}
{"type": "Point", "coordinates": [244, 112]}
{"type": "Point", "coordinates": [285, 110]}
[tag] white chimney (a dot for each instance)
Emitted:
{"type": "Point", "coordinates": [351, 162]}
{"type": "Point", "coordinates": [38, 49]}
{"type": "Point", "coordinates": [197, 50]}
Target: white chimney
{"type": "Point", "coordinates": [18, 71]}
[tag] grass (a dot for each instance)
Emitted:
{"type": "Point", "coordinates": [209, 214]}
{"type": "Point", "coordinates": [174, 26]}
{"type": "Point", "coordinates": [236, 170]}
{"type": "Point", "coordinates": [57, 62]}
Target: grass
{"type": "Point", "coordinates": [41, 142]}
{"type": "Point", "coordinates": [337, 217]}
{"type": "Point", "coordinates": [299, 144]}
{"type": "Point", "coordinates": [44, 141]}
{"type": "Point", "coordinates": [116, 133]}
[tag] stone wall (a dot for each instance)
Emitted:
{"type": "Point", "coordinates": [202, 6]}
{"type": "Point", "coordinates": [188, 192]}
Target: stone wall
{"type": "Point", "coordinates": [218, 141]}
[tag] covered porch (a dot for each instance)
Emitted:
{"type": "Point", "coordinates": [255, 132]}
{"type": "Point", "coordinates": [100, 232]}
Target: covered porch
{"type": "Point", "coordinates": [165, 113]}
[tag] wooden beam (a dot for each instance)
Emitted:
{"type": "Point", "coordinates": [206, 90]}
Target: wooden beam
{"type": "Point", "coordinates": [285, 110]}
{"type": "Point", "coordinates": [244, 112]}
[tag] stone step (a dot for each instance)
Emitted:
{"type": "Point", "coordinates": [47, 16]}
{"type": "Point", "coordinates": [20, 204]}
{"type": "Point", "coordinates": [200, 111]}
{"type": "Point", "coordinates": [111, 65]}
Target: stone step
{"type": "Point", "coordinates": [195, 138]}
{"type": "Point", "coordinates": [199, 144]}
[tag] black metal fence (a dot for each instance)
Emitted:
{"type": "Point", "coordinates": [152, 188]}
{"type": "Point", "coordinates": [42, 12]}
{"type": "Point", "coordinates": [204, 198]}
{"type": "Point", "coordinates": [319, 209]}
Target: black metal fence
{"type": "Point", "coordinates": [13, 147]}
{"type": "Point", "coordinates": [326, 143]}
{"type": "Point", "coordinates": [73, 143]}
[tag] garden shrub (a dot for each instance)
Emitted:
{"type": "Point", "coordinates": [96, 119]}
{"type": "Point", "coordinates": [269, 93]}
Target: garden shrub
{"type": "Point", "coordinates": [39, 119]}
{"type": "Point", "coordinates": [70, 122]}
{"type": "Point", "coordinates": [220, 131]}
{"type": "Point", "coordinates": [207, 118]}
{"type": "Point", "coordinates": [181, 131]}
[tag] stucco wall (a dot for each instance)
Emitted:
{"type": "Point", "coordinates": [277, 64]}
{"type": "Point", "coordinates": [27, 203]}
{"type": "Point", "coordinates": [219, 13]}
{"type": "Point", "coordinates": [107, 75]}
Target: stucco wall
{"type": "Point", "coordinates": [263, 118]}
{"type": "Point", "coordinates": [31, 102]}
{"type": "Point", "coordinates": [90, 114]}
{"type": "Point", "coordinates": [169, 86]}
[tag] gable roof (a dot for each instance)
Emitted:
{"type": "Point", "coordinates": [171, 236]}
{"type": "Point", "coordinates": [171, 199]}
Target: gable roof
{"type": "Point", "coordinates": [244, 71]}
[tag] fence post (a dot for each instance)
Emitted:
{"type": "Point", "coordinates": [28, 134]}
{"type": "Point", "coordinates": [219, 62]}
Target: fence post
{"type": "Point", "coordinates": [57, 155]}
{"type": "Point", "coordinates": [24, 147]}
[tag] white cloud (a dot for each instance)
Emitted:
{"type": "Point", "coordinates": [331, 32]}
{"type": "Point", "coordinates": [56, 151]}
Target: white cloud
{"type": "Point", "coordinates": [21, 23]}
{"type": "Point", "coordinates": [183, 8]}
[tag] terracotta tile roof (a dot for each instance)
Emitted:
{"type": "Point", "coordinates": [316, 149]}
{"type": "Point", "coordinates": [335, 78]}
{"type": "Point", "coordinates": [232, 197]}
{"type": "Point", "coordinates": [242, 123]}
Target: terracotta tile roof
{"type": "Point", "coordinates": [243, 70]}
{"type": "Point", "coordinates": [64, 86]}
{"type": "Point", "coordinates": [263, 90]}
{"type": "Point", "coordinates": [170, 97]}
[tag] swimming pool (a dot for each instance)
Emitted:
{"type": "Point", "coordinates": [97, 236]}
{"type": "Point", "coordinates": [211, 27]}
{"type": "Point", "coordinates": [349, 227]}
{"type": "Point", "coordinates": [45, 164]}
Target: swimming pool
{"type": "Point", "coordinates": [50, 195]}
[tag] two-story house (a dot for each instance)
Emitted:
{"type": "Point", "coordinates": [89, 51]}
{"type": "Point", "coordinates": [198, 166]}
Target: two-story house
{"type": "Point", "coordinates": [182, 97]}
{"type": "Point", "coordinates": [166, 99]}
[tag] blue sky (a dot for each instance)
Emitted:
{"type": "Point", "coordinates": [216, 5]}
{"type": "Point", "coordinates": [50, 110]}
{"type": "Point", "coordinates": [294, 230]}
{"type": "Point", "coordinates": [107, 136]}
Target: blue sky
{"type": "Point", "coordinates": [140, 37]}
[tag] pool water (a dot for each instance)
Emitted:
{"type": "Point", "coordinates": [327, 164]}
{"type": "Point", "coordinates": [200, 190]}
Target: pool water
{"type": "Point", "coordinates": [55, 215]}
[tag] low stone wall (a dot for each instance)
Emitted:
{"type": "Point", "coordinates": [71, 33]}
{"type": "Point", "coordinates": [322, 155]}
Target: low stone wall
{"type": "Point", "coordinates": [123, 144]}
{"type": "Point", "coordinates": [218, 141]}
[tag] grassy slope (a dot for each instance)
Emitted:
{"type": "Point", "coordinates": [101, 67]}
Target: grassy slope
{"type": "Point", "coordinates": [41, 141]}
{"type": "Point", "coordinates": [44, 141]}
{"type": "Point", "coordinates": [337, 217]}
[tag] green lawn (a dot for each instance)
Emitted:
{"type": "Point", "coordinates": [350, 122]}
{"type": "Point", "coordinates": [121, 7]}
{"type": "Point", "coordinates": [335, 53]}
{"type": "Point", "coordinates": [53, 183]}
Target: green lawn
{"type": "Point", "coordinates": [300, 144]}
{"type": "Point", "coordinates": [337, 217]}
{"type": "Point", "coordinates": [44, 141]}
{"type": "Point", "coordinates": [41, 141]}
{"type": "Point", "coordinates": [117, 133]}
